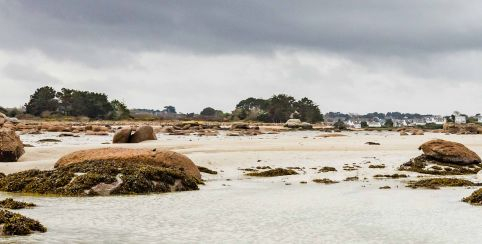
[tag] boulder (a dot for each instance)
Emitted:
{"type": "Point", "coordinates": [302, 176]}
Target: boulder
{"type": "Point", "coordinates": [122, 136]}
{"type": "Point", "coordinates": [450, 152]}
{"type": "Point", "coordinates": [403, 133]}
{"type": "Point", "coordinates": [306, 126]}
{"type": "Point", "coordinates": [293, 123]}
{"type": "Point", "coordinates": [11, 147]}
{"type": "Point", "coordinates": [143, 133]}
{"type": "Point", "coordinates": [168, 159]}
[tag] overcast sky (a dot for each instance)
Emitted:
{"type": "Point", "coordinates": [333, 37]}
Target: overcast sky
{"type": "Point", "coordinates": [348, 56]}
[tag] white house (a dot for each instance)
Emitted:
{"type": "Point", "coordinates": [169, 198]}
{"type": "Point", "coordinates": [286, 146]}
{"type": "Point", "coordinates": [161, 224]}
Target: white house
{"type": "Point", "coordinates": [374, 124]}
{"type": "Point", "coordinates": [460, 119]}
{"type": "Point", "coordinates": [479, 119]}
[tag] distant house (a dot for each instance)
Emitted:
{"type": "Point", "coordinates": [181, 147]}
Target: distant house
{"type": "Point", "coordinates": [459, 119]}
{"type": "Point", "coordinates": [374, 124]}
{"type": "Point", "coordinates": [439, 120]}
{"type": "Point", "coordinates": [479, 119]}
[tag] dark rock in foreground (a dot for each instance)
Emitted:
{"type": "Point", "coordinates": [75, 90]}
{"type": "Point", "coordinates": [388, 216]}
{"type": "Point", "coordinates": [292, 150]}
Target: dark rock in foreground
{"type": "Point", "coordinates": [9, 203]}
{"type": "Point", "coordinates": [17, 224]}
{"type": "Point", "coordinates": [92, 178]}
{"type": "Point", "coordinates": [475, 198]}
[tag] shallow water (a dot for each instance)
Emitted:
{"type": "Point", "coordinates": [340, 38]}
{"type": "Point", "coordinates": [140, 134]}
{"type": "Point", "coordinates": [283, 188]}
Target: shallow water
{"type": "Point", "coordinates": [249, 212]}
{"type": "Point", "coordinates": [233, 208]}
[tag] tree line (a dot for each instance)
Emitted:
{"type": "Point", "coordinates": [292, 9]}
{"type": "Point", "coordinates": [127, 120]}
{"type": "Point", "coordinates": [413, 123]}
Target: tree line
{"type": "Point", "coordinates": [47, 101]}
{"type": "Point", "coordinates": [277, 109]}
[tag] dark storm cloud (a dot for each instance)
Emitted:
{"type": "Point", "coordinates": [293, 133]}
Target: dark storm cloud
{"type": "Point", "coordinates": [376, 55]}
{"type": "Point", "coordinates": [75, 29]}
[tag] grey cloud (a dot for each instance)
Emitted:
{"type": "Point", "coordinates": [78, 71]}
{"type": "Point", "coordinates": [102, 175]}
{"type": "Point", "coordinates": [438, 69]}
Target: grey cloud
{"type": "Point", "coordinates": [68, 28]}
{"type": "Point", "coordinates": [27, 73]}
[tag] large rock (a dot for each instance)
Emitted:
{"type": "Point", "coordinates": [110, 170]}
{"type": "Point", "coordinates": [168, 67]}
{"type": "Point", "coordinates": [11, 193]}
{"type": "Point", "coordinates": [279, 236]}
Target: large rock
{"type": "Point", "coordinates": [306, 126]}
{"type": "Point", "coordinates": [450, 152]}
{"type": "Point", "coordinates": [122, 136]}
{"type": "Point", "coordinates": [293, 123]}
{"type": "Point", "coordinates": [11, 148]}
{"type": "Point", "coordinates": [167, 159]}
{"type": "Point", "coordinates": [143, 133]}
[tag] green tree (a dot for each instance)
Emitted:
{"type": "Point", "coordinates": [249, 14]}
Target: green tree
{"type": "Point", "coordinates": [44, 99]}
{"type": "Point", "coordinates": [3, 110]}
{"type": "Point", "coordinates": [120, 110]}
{"type": "Point", "coordinates": [388, 123]}
{"type": "Point", "coordinates": [281, 107]}
{"type": "Point", "coordinates": [250, 108]}
{"type": "Point", "coordinates": [364, 124]}
{"type": "Point", "coordinates": [308, 110]}
{"type": "Point", "coordinates": [170, 109]}
{"type": "Point", "coordinates": [84, 103]}
{"type": "Point", "coordinates": [208, 112]}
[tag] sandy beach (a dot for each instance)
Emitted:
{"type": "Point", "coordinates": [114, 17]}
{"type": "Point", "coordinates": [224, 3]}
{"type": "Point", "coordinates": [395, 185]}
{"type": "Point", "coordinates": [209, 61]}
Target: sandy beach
{"type": "Point", "coordinates": [232, 207]}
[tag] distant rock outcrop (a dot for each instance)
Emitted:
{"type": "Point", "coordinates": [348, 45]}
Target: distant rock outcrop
{"type": "Point", "coordinates": [143, 133]}
{"type": "Point", "coordinates": [122, 136]}
{"type": "Point", "coordinates": [469, 128]}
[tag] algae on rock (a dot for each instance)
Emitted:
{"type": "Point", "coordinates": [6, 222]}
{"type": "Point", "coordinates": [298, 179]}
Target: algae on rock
{"type": "Point", "coordinates": [273, 173]}
{"type": "Point", "coordinates": [17, 224]}
{"type": "Point", "coordinates": [100, 178]}
{"type": "Point", "coordinates": [436, 183]}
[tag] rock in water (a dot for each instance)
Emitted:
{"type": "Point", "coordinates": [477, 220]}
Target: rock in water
{"type": "Point", "coordinates": [11, 148]}
{"type": "Point", "coordinates": [161, 158]}
{"type": "Point", "coordinates": [17, 224]}
{"type": "Point", "coordinates": [450, 152]}
{"type": "Point", "coordinates": [143, 133]}
{"type": "Point", "coordinates": [122, 136]}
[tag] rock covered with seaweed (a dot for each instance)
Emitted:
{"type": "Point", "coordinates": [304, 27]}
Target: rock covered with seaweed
{"type": "Point", "coordinates": [17, 224]}
{"type": "Point", "coordinates": [113, 173]}
{"type": "Point", "coordinates": [442, 157]}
